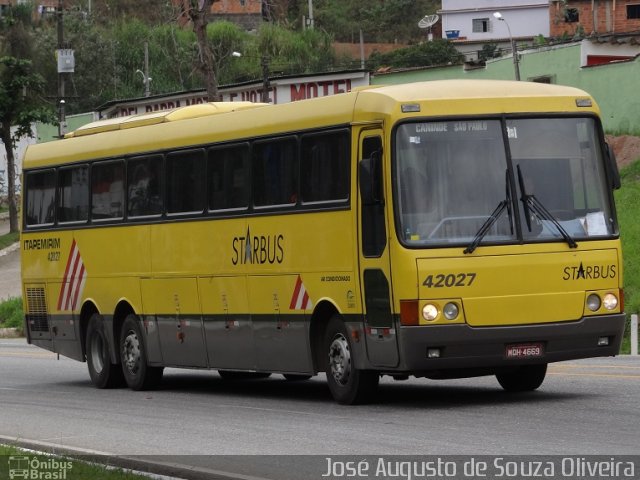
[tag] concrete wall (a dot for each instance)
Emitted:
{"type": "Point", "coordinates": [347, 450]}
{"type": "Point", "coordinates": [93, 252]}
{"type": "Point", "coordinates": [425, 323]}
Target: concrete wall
{"type": "Point", "coordinates": [614, 86]}
{"type": "Point", "coordinates": [526, 18]}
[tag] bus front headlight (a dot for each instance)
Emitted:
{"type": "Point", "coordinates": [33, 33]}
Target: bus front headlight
{"type": "Point", "coordinates": [593, 302]}
{"type": "Point", "coordinates": [610, 301]}
{"type": "Point", "coordinates": [450, 311]}
{"type": "Point", "coordinates": [429, 312]}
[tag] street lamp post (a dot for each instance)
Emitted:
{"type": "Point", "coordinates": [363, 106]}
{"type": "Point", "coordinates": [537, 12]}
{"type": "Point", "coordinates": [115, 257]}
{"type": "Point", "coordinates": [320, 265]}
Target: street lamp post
{"type": "Point", "coordinates": [514, 48]}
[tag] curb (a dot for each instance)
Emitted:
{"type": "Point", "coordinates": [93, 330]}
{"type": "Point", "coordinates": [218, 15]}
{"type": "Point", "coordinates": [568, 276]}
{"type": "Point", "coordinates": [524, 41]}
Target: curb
{"type": "Point", "coordinates": [9, 249]}
{"type": "Point", "coordinates": [10, 333]}
{"type": "Point", "coordinates": [138, 465]}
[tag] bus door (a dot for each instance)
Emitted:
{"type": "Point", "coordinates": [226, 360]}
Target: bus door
{"type": "Point", "coordinates": [375, 275]}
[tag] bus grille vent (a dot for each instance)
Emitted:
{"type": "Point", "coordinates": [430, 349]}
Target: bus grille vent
{"type": "Point", "coordinates": [37, 316]}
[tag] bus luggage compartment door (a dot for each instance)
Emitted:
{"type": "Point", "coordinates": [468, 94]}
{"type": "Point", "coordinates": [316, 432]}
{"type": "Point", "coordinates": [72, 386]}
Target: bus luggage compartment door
{"type": "Point", "coordinates": [175, 303]}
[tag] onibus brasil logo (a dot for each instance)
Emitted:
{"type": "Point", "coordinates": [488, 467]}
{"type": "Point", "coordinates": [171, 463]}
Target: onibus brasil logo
{"type": "Point", "coordinates": [38, 468]}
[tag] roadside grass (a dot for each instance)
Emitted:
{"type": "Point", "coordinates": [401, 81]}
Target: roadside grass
{"type": "Point", "coordinates": [11, 314]}
{"type": "Point", "coordinates": [8, 239]}
{"type": "Point", "coordinates": [628, 208]}
{"type": "Point", "coordinates": [53, 466]}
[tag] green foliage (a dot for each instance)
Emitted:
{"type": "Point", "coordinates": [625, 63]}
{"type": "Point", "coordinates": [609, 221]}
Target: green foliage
{"type": "Point", "coordinates": [79, 470]}
{"type": "Point", "coordinates": [628, 208]}
{"type": "Point", "coordinates": [489, 50]}
{"type": "Point", "coordinates": [11, 314]}
{"type": "Point", "coordinates": [437, 52]}
{"type": "Point", "coordinates": [21, 101]}
{"type": "Point", "coordinates": [380, 21]}
{"type": "Point", "coordinates": [9, 238]}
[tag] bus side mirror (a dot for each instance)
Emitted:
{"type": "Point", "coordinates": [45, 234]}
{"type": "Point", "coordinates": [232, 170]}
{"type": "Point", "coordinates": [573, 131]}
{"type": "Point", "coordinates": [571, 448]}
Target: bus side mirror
{"type": "Point", "coordinates": [370, 179]}
{"type": "Point", "coordinates": [612, 167]}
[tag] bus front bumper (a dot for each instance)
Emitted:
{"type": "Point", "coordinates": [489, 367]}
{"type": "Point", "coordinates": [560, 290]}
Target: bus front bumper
{"type": "Point", "coordinates": [433, 348]}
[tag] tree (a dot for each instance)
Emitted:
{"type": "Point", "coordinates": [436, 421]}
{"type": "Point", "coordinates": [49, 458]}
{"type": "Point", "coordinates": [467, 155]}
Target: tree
{"type": "Point", "coordinates": [21, 105]}
{"type": "Point", "coordinates": [197, 11]}
{"type": "Point", "coordinates": [21, 93]}
{"type": "Point", "coordinates": [437, 52]}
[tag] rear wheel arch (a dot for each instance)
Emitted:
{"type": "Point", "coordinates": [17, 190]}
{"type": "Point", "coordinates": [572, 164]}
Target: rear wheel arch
{"type": "Point", "coordinates": [88, 309]}
{"type": "Point", "coordinates": [123, 309]}
{"type": "Point", "coordinates": [322, 314]}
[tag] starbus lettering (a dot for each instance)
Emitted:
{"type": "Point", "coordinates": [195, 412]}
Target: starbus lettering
{"type": "Point", "coordinates": [257, 249]}
{"type": "Point", "coordinates": [590, 272]}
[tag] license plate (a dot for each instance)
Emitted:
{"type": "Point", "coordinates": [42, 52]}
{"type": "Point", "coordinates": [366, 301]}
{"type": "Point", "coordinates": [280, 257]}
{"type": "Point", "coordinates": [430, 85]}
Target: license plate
{"type": "Point", "coordinates": [526, 350]}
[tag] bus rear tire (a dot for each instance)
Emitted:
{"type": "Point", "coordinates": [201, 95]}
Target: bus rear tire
{"type": "Point", "coordinates": [103, 373]}
{"type": "Point", "coordinates": [133, 356]}
{"type": "Point", "coordinates": [524, 379]}
{"type": "Point", "coordinates": [348, 384]}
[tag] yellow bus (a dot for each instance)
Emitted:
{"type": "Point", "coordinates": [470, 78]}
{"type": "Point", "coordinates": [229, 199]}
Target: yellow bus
{"type": "Point", "coordinates": [440, 229]}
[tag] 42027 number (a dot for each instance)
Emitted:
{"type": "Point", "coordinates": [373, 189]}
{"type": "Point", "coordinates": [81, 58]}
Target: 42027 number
{"type": "Point", "coordinates": [441, 280]}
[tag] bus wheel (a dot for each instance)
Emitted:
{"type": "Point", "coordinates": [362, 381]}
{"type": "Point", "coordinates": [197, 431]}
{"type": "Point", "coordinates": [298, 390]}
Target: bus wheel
{"type": "Point", "coordinates": [103, 373]}
{"type": "Point", "coordinates": [138, 375]}
{"type": "Point", "coordinates": [295, 377]}
{"type": "Point", "coordinates": [348, 385]}
{"type": "Point", "coordinates": [523, 379]}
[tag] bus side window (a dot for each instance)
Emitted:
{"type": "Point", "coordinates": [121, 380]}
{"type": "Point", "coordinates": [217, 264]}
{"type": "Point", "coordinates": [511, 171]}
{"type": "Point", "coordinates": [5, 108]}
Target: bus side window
{"type": "Point", "coordinates": [324, 167]}
{"type": "Point", "coordinates": [40, 192]}
{"type": "Point", "coordinates": [107, 190]}
{"type": "Point", "coordinates": [144, 194]}
{"type": "Point", "coordinates": [274, 172]}
{"type": "Point", "coordinates": [185, 181]}
{"type": "Point", "coordinates": [228, 177]}
{"type": "Point", "coordinates": [73, 194]}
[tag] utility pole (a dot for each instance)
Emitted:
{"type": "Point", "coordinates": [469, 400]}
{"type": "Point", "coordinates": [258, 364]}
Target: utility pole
{"type": "Point", "coordinates": [264, 60]}
{"type": "Point", "coordinates": [311, 14]}
{"type": "Point", "coordinates": [61, 99]}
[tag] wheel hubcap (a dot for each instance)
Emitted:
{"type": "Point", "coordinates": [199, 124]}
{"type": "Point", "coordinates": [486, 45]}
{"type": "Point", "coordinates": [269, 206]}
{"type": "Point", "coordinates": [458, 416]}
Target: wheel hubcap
{"type": "Point", "coordinates": [131, 352]}
{"type": "Point", "coordinates": [340, 359]}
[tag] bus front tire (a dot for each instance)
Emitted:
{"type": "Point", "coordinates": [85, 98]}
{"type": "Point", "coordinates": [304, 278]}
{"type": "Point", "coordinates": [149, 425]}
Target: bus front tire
{"type": "Point", "coordinates": [103, 373]}
{"type": "Point", "coordinates": [524, 379]}
{"type": "Point", "coordinates": [133, 356]}
{"type": "Point", "coordinates": [348, 384]}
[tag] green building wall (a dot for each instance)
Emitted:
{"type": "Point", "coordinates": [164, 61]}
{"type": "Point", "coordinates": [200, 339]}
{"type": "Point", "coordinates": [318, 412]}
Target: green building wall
{"type": "Point", "coordinates": [615, 86]}
{"type": "Point", "coordinates": [47, 132]}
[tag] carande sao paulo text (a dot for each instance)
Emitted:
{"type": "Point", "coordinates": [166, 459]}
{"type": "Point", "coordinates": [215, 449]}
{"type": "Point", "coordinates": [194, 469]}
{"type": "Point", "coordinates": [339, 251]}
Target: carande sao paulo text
{"type": "Point", "coordinates": [499, 467]}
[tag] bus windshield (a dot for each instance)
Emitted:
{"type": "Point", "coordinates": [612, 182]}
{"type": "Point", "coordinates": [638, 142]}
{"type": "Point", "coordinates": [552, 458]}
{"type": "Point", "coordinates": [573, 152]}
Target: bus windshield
{"type": "Point", "coordinates": [453, 184]}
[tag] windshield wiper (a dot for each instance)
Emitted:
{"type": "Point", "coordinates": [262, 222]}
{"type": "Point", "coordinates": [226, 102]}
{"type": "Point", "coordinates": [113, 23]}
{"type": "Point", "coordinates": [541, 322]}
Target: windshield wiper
{"type": "Point", "coordinates": [531, 204]}
{"type": "Point", "coordinates": [493, 218]}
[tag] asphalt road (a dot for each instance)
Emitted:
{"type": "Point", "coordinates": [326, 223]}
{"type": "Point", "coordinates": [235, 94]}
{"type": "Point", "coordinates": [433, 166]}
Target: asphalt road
{"type": "Point", "coordinates": [583, 408]}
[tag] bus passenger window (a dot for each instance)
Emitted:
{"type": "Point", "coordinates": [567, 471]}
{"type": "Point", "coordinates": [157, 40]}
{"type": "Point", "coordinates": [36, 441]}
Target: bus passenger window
{"type": "Point", "coordinates": [144, 186]}
{"type": "Point", "coordinates": [228, 177]}
{"type": "Point", "coordinates": [73, 194]}
{"type": "Point", "coordinates": [274, 173]}
{"type": "Point", "coordinates": [324, 167]}
{"type": "Point", "coordinates": [40, 191]}
{"type": "Point", "coordinates": [185, 181]}
{"type": "Point", "coordinates": [107, 190]}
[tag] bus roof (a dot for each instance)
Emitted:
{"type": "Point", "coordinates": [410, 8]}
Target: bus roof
{"type": "Point", "coordinates": [218, 122]}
